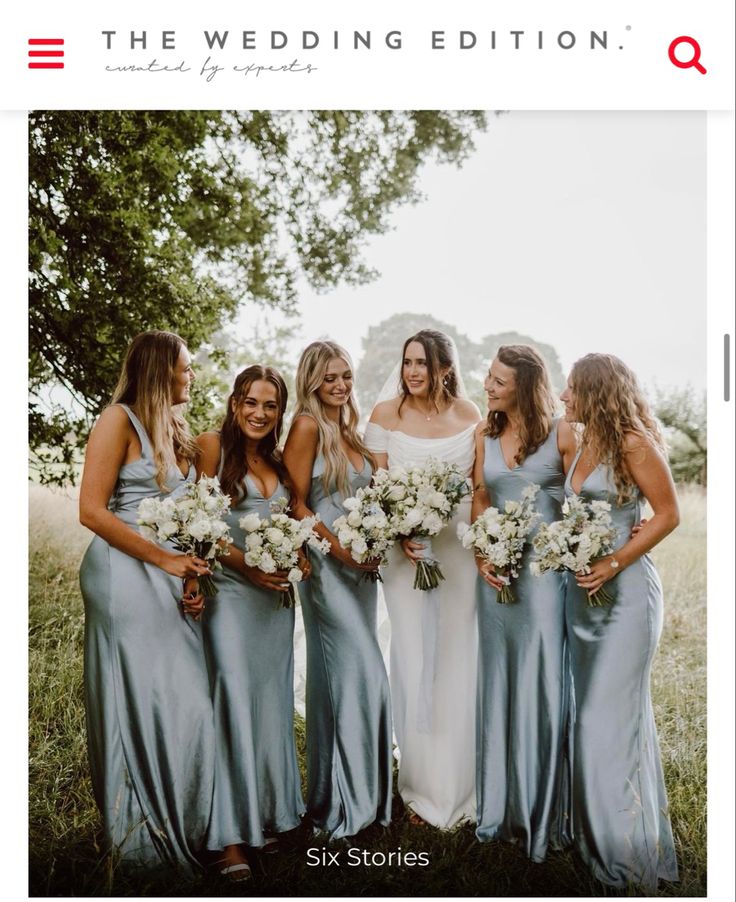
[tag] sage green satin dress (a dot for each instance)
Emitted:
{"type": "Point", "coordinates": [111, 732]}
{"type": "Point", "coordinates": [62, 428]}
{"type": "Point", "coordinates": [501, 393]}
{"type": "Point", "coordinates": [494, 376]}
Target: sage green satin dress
{"type": "Point", "coordinates": [349, 737]}
{"type": "Point", "coordinates": [620, 815]}
{"type": "Point", "coordinates": [522, 688]}
{"type": "Point", "coordinates": [150, 733]}
{"type": "Point", "coordinates": [249, 639]}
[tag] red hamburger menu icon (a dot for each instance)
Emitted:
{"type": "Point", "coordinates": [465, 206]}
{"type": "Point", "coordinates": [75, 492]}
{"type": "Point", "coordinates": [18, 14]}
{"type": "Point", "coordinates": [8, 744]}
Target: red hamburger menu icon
{"type": "Point", "coordinates": [45, 53]}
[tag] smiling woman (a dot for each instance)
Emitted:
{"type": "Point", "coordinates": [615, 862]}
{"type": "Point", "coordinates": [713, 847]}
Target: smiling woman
{"type": "Point", "coordinates": [249, 636]}
{"type": "Point", "coordinates": [347, 698]}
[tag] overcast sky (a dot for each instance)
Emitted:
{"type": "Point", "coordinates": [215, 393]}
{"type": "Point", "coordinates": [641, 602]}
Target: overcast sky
{"type": "Point", "coordinates": [584, 230]}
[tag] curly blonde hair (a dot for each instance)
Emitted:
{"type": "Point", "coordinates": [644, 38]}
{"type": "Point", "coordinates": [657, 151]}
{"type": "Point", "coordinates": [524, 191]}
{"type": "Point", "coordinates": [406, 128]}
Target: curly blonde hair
{"type": "Point", "coordinates": [610, 407]}
{"type": "Point", "coordinates": [310, 374]}
{"type": "Point", "coordinates": [533, 397]}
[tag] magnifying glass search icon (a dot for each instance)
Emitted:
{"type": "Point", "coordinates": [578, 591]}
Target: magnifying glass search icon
{"type": "Point", "coordinates": [694, 61]}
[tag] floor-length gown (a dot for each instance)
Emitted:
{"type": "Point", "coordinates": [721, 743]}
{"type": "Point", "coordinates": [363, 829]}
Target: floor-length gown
{"type": "Point", "coordinates": [521, 672]}
{"type": "Point", "coordinates": [149, 715]}
{"type": "Point", "coordinates": [433, 658]}
{"type": "Point", "coordinates": [620, 814]}
{"type": "Point", "coordinates": [348, 708]}
{"type": "Point", "coordinates": [249, 640]}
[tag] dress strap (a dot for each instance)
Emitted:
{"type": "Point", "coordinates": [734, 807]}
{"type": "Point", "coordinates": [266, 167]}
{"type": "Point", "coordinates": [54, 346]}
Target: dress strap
{"type": "Point", "coordinates": [146, 446]}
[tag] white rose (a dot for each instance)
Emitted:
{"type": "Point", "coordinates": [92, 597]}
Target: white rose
{"type": "Point", "coordinates": [267, 563]}
{"type": "Point", "coordinates": [250, 522]}
{"type": "Point", "coordinates": [274, 536]}
{"type": "Point", "coordinates": [295, 575]}
{"type": "Point", "coordinates": [168, 529]}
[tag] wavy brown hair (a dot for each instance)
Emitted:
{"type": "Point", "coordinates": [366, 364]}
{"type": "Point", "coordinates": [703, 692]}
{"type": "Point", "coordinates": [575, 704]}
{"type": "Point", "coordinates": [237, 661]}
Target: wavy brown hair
{"type": "Point", "coordinates": [534, 399]}
{"type": "Point", "coordinates": [440, 353]}
{"type": "Point", "coordinates": [610, 406]}
{"type": "Point", "coordinates": [145, 383]}
{"type": "Point", "coordinates": [310, 374]}
{"type": "Point", "coordinates": [233, 439]}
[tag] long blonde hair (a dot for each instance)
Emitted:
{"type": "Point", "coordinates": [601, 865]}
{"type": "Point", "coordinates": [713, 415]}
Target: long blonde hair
{"type": "Point", "coordinates": [533, 398]}
{"type": "Point", "coordinates": [310, 374]}
{"type": "Point", "coordinates": [610, 405]}
{"type": "Point", "coordinates": [145, 383]}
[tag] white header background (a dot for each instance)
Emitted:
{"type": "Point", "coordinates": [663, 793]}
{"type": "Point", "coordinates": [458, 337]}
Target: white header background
{"type": "Point", "coordinates": [634, 73]}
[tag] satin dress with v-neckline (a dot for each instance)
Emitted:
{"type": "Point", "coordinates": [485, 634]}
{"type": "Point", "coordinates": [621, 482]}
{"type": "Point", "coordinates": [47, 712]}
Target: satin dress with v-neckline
{"type": "Point", "coordinates": [249, 639]}
{"type": "Point", "coordinates": [620, 815]}
{"type": "Point", "coordinates": [149, 716]}
{"type": "Point", "coordinates": [348, 708]}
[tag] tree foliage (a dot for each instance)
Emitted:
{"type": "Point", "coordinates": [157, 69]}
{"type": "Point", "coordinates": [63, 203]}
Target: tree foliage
{"type": "Point", "coordinates": [173, 220]}
{"type": "Point", "coordinates": [682, 412]}
{"type": "Point", "coordinates": [383, 343]}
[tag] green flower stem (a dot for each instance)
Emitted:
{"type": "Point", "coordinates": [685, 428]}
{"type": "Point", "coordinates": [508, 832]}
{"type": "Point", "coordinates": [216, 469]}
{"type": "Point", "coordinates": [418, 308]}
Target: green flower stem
{"type": "Point", "coordinates": [287, 598]}
{"type": "Point", "coordinates": [599, 599]}
{"type": "Point", "coordinates": [207, 586]}
{"type": "Point", "coordinates": [505, 595]}
{"type": "Point", "coordinates": [428, 575]}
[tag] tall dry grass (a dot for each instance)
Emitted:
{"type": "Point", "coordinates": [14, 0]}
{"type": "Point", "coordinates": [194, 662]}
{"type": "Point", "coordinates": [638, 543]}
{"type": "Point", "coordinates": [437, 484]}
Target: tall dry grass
{"type": "Point", "coordinates": [65, 851]}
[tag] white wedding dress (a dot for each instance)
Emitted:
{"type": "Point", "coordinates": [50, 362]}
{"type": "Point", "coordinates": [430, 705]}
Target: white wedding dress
{"type": "Point", "coordinates": [434, 650]}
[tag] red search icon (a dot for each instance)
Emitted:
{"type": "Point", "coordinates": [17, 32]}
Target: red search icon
{"type": "Point", "coordinates": [687, 64]}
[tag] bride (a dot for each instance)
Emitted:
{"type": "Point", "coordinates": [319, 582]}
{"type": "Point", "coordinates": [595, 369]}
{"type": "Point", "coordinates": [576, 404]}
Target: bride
{"type": "Point", "coordinates": [433, 634]}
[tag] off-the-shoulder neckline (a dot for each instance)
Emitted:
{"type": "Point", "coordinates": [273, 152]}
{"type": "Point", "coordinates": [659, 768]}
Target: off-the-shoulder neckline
{"type": "Point", "coordinates": [422, 438]}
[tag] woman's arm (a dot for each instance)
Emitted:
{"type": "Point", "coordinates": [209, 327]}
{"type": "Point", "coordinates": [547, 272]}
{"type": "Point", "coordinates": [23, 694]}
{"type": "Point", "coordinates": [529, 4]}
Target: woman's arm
{"type": "Point", "coordinates": [300, 452]}
{"type": "Point", "coordinates": [208, 459]}
{"type": "Point", "coordinates": [567, 444]}
{"type": "Point", "coordinates": [481, 502]}
{"type": "Point", "coordinates": [650, 472]}
{"type": "Point", "coordinates": [106, 452]}
{"type": "Point", "coordinates": [481, 498]}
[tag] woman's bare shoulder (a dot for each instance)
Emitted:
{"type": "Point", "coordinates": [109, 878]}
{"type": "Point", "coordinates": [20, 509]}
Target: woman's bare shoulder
{"type": "Point", "coordinates": [466, 410]}
{"type": "Point", "coordinates": [385, 413]}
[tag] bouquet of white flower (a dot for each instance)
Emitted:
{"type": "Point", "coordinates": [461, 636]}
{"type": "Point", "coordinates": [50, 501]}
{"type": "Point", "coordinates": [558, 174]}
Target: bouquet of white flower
{"type": "Point", "coordinates": [365, 531]}
{"type": "Point", "coordinates": [584, 533]}
{"type": "Point", "coordinates": [191, 522]}
{"type": "Point", "coordinates": [273, 544]}
{"type": "Point", "coordinates": [420, 502]}
{"type": "Point", "coordinates": [499, 537]}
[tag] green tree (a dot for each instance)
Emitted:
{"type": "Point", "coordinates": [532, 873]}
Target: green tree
{"type": "Point", "coordinates": [682, 412]}
{"type": "Point", "coordinates": [383, 343]}
{"type": "Point", "coordinates": [142, 220]}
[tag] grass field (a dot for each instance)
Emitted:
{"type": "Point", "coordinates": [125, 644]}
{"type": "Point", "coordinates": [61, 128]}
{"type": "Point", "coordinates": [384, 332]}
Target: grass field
{"type": "Point", "coordinates": [65, 852]}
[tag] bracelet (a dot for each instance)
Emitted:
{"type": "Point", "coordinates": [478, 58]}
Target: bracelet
{"type": "Point", "coordinates": [614, 563]}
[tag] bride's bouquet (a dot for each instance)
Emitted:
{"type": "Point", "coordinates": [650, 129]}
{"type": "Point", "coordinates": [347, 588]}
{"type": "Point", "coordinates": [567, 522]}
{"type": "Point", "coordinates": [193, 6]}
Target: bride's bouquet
{"type": "Point", "coordinates": [273, 544]}
{"type": "Point", "coordinates": [192, 522]}
{"type": "Point", "coordinates": [366, 531]}
{"type": "Point", "coordinates": [420, 502]}
{"type": "Point", "coordinates": [584, 533]}
{"type": "Point", "coordinates": [499, 537]}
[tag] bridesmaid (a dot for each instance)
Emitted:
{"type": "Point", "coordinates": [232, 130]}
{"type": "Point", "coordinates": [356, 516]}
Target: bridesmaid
{"type": "Point", "coordinates": [249, 637]}
{"type": "Point", "coordinates": [149, 716]}
{"type": "Point", "coordinates": [619, 804]}
{"type": "Point", "coordinates": [347, 696]}
{"type": "Point", "coordinates": [521, 692]}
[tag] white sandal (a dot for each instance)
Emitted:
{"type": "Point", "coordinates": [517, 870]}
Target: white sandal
{"type": "Point", "coordinates": [243, 869]}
